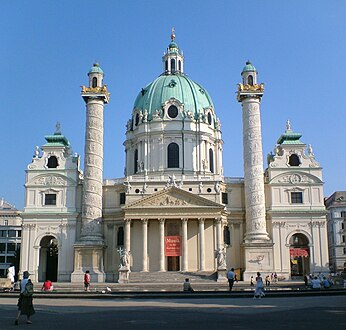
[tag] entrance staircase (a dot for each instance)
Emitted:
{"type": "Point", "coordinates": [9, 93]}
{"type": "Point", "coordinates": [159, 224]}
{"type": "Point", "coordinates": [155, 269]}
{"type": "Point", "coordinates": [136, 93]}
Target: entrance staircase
{"type": "Point", "coordinates": [172, 277]}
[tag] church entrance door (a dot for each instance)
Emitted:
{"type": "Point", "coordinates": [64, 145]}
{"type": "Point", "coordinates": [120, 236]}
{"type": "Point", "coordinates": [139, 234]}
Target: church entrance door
{"type": "Point", "coordinates": [173, 264]}
{"type": "Point", "coordinates": [299, 255]}
{"type": "Point", "coordinates": [48, 264]}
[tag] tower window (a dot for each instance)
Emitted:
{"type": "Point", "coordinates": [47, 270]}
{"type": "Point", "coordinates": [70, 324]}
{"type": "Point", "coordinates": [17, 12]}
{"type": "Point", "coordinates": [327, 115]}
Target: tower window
{"type": "Point", "coordinates": [211, 160]}
{"type": "Point", "coordinates": [172, 111]}
{"type": "Point", "coordinates": [173, 155]}
{"type": "Point", "coordinates": [120, 236]}
{"type": "Point", "coordinates": [250, 80]}
{"type": "Point", "coordinates": [210, 120]}
{"type": "Point", "coordinates": [179, 63]}
{"type": "Point", "coordinates": [172, 65]}
{"type": "Point", "coordinates": [166, 65]}
{"type": "Point", "coordinates": [224, 197]}
{"type": "Point", "coordinates": [226, 235]}
{"type": "Point", "coordinates": [122, 197]}
{"type": "Point", "coordinates": [94, 82]}
{"type": "Point", "coordinates": [297, 197]}
{"type": "Point", "coordinates": [136, 161]}
{"type": "Point", "coordinates": [52, 162]}
{"type": "Point", "coordinates": [294, 160]}
{"type": "Point", "coordinates": [50, 199]}
{"type": "Point", "coordinates": [137, 119]}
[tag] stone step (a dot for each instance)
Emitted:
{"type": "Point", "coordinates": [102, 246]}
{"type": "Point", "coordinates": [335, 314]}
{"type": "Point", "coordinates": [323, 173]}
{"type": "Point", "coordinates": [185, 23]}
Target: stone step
{"type": "Point", "coordinates": [171, 277]}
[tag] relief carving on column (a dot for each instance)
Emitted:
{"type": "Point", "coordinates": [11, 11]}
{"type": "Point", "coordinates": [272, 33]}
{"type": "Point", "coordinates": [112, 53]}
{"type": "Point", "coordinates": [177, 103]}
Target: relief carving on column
{"type": "Point", "coordinates": [91, 228]}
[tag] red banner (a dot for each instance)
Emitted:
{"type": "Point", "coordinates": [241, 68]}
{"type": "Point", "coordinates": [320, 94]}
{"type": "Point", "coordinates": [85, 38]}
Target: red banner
{"type": "Point", "coordinates": [299, 252]}
{"type": "Point", "coordinates": [172, 246]}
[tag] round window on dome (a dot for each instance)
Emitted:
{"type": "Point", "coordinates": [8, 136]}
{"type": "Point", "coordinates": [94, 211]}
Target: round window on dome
{"type": "Point", "coordinates": [172, 111]}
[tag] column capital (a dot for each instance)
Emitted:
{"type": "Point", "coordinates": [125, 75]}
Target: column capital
{"type": "Point", "coordinates": [184, 220]}
{"type": "Point", "coordinates": [218, 220]}
{"type": "Point", "coordinates": [161, 220]}
{"type": "Point", "coordinates": [144, 221]}
{"type": "Point", "coordinates": [127, 221]}
{"type": "Point", "coordinates": [201, 220]}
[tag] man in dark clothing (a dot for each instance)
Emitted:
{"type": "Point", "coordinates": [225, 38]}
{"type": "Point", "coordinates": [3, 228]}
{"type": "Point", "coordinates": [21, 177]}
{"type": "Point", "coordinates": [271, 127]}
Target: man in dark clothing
{"type": "Point", "coordinates": [231, 278]}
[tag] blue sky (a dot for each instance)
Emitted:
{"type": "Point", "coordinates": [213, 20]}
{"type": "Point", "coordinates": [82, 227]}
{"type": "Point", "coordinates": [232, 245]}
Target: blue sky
{"type": "Point", "coordinates": [47, 48]}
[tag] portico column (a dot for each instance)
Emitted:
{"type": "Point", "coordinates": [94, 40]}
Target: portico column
{"type": "Point", "coordinates": [184, 239]}
{"type": "Point", "coordinates": [127, 242]}
{"type": "Point", "coordinates": [218, 233]}
{"type": "Point", "coordinates": [145, 244]}
{"type": "Point", "coordinates": [162, 244]}
{"type": "Point", "coordinates": [201, 244]}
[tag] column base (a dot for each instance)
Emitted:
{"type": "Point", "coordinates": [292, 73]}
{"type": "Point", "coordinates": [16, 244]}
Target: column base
{"type": "Point", "coordinates": [258, 258]}
{"type": "Point", "coordinates": [88, 257]}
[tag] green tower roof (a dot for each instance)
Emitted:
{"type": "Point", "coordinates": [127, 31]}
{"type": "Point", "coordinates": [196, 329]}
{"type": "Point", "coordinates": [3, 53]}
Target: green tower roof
{"type": "Point", "coordinates": [290, 137]}
{"type": "Point", "coordinates": [249, 67]}
{"type": "Point", "coordinates": [96, 69]}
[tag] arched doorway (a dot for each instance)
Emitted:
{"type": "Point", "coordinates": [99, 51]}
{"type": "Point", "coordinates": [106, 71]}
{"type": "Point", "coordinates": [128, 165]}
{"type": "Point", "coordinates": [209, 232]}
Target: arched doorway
{"type": "Point", "coordinates": [299, 255]}
{"type": "Point", "coordinates": [48, 264]}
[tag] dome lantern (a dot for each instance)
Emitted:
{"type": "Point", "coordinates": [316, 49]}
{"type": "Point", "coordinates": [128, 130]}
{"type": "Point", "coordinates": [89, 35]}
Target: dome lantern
{"type": "Point", "coordinates": [173, 60]}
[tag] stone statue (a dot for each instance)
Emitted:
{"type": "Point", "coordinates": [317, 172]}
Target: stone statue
{"type": "Point", "coordinates": [221, 258]}
{"type": "Point", "coordinates": [127, 187]}
{"type": "Point", "coordinates": [171, 181]}
{"type": "Point", "coordinates": [145, 116]}
{"type": "Point", "coordinates": [310, 151]}
{"type": "Point", "coordinates": [124, 258]}
{"type": "Point", "coordinates": [288, 125]}
{"type": "Point", "coordinates": [37, 152]}
{"type": "Point", "coordinates": [217, 187]}
{"type": "Point", "coordinates": [200, 187]}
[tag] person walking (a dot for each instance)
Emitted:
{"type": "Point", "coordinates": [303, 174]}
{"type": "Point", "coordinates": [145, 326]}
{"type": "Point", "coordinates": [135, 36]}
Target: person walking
{"type": "Point", "coordinates": [267, 280]}
{"type": "Point", "coordinates": [231, 278]}
{"type": "Point", "coordinates": [87, 281]}
{"type": "Point", "coordinates": [259, 289]}
{"type": "Point", "coordinates": [25, 301]}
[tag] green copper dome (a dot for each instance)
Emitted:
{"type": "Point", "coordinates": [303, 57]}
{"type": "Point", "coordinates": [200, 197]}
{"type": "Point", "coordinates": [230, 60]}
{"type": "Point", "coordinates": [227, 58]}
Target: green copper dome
{"type": "Point", "coordinates": [249, 67]}
{"type": "Point", "coordinates": [96, 69]}
{"type": "Point", "coordinates": [180, 87]}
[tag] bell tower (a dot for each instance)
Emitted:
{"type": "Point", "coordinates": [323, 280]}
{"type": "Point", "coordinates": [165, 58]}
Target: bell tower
{"type": "Point", "coordinates": [257, 244]}
{"type": "Point", "coordinates": [90, 245]}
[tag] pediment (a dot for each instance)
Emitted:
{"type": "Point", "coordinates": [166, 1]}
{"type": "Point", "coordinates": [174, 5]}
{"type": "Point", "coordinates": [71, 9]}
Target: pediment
{"type": "Point", "coordinates": [174, 197]}
{"type": "Point", "coordinates": [295, 178]}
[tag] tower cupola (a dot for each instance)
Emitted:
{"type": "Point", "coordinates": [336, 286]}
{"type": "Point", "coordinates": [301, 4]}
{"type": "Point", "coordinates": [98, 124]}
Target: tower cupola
{"type": "Point", "coordinates": [95, 76]}
{"type": "Point", "coordinates": [173, 59]}
{"type": "Point", "coordinates": [249, 74]}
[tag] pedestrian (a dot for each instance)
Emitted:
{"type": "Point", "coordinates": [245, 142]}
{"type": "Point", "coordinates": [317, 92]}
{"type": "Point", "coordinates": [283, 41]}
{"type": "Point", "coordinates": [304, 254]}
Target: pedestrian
{"type": "Point", "coordinates": [231, 278]}
{"type": "Point", "coordinates": [259, 290]}
{"type": "Point", "coordinates": [25, 304]}
{"type": "Point", "coordinates": [267, 280]}
{"type": "Point", "coordinates": [251, 281]}
{"type": "Point", "coordinates": [275, 277]}
{"type": "Point", "coordinates": [306, 280]}
{"type": "Point", "coordinates": [187, 286]}
{"type": "Point", "coordinates": [316, 283]}
{"type": "Point", "coordinates": [47, 286]}
{"type": "Point", "coordinates": [87, 281]}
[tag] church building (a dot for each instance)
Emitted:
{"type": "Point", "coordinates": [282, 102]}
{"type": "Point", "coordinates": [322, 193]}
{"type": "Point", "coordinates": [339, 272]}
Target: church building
{"type": "Point", "coordinates": [174, 211]}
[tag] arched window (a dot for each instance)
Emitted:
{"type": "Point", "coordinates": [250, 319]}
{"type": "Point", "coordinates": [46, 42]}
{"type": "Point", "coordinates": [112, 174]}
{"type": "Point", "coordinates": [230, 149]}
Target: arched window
{"type": "Point", "coordinates": [294, 160]}
{"type": "Point", "coordinates": [137, 119]}
{"type": "Point", "coordinates": [210, 120]}
{"type": "Point", "coordinates": [120, 236]}
{"type": "Point", "coordinates": [211, 160]}
{"type": "Point", "coordinates": [52, 162]}
{"type": "Point", "coordinates": [136, 161]}
{"type": "Point", "coordinates": [173, 155]}
{"type": "Point", "coordinates": [250, 80]}
{"type": "Point", "coordinates": [172, 65]}
{"type": "Point", "coordinates": [179, 63]}
{"type": "Point", "coordinates": [166, 65]}
{"type": "Point", "coordinates": [94, 82]}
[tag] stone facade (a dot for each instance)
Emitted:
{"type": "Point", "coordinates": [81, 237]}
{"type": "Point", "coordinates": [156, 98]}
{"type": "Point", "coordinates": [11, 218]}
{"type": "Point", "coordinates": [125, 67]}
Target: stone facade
{"type": "Point", "coordinates": [174, 210]}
